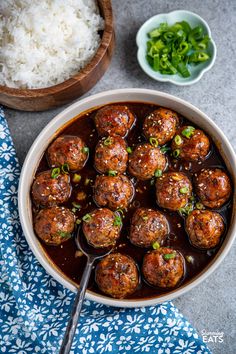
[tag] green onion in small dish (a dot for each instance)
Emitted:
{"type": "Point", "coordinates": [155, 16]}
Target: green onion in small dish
{"type": "Point", "coordinates": [176, 47]}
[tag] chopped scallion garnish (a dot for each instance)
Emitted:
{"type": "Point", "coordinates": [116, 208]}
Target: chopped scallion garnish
{"type": "Point", "coordinates": [184, 190]}
{"type": "Point", "coordinates": [178, 140]}
{"type": "Point", "coordinates": [158, 173]}
{"type": "Point", "coordinates": [55, 172]}
{"type": "Point", "coordinates": [188, 132]}
{"type": "Point", "coordinates": [174, 49]}
{"type": "Point", "coordinates": [117, 221]}
{"type": "Point", "coordinates": [112, 173]}
{"type": "Point", "coordinates": [153, 141]}
{"type": "Point", "coordinates": [85, 150]}
{"type": "Point", "coordinates": [176, 153]}
{"type": "Point", "coordinates": [156, 245]}
{"type": "Point", "coordinates": [87, 217]}
{"type": "Point", "coordinates": [107, 141]}
{"type": "Point", "coordinates": [76, 178]}
{"type": "Point", "coordinates": [168, 256]}
{"type": "Point", "coordinates": [65, 168]}
{"type": "Point", "coordinates": [129, 150]}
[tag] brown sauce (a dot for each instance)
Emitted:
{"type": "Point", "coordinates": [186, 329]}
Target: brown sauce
{"type": "Point", "coordinates": [64, 256]}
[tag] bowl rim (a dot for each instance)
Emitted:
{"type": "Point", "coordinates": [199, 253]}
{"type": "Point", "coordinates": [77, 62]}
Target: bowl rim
{"type": "Point", "coordinates": [107, 37]}
{"type": "Point", "coordinates": [49, 129]}
{"type": "Point", "coordinates": [170, 79]}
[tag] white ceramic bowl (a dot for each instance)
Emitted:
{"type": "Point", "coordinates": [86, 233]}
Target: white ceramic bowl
{"type": "Point", "coordinates": [123, 95]}
{"type": "Point", "coordinates": [171, 18]}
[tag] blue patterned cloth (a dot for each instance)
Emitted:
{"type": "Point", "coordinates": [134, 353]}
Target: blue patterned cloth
{"type": "Point", "coordinates": [34, 307]}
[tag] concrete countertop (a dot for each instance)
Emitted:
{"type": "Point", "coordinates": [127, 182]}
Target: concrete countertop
{"type": "Point", "coordinates": [212, 305]}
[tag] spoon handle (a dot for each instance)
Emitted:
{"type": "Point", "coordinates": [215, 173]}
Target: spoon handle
{"type": "Point", "coordinates": [77, 306]}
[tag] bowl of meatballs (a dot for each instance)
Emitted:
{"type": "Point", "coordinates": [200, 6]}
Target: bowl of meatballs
{"type": "Point", "coordinates": [141, 172]}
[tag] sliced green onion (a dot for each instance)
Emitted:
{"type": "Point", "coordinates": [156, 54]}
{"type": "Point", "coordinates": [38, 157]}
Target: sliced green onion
{"type": "Point", "coordinates": [164, 149]}
{"type": "Point", "coordinates": [158, 173]}
{"type": "Point", "coordinates": [198, 57]}
{"type": "Point", "coordinates": [107, 141]}
{"type": "Point", "coordinates": [190, 259]}
{"type": "Point", "coordinates": [87, 218]}
{"type": "Point", "coordinates": [200, 206]}
{"type": "Point", "coordinates": [76, 205]}
{"type": "Point", "coordinates": [168, 256]}
{"type": "Point", "coordinates": [176, 152]}
{"type": "Point", "coordinates": [120, 211]}
{"type": "Point", "coordinates": [117, 221]}
{"type": "Point", "coordinates": [65, 168]}
{"type": "Point", "coordinates": [85, 150]}
{"type": "Point", "coordinates": [184, 190]}
{"type": "Point", "coordinates": [188, 132]}
{"type": "Point", "coordinates": [186, 210]}
{"type": "Point", "coordinates": [183, 70]}
{"type": "Point", "coordinates": [178, 140]}
{"type": "Point", "coordinates": [153, 142]}
{"type": "Point", "coordinates": [64, 234]}
{"type": "Point", "coordinates": [112, 173]}
{"type": "Point", "coordinates": [55, 172]}
{"type": "Point", "coordinates": [145, 218]}
{"type": "Point", "coordinates": [129, 150]}
{"type": "Point", "coordinates": [87, 181]}
{"type": "Point", "coordinates": [156, 245]}
{"type": "Point", "coordinates": [78, 221]}
{"type": "Point", "coordinates": [76, 178]}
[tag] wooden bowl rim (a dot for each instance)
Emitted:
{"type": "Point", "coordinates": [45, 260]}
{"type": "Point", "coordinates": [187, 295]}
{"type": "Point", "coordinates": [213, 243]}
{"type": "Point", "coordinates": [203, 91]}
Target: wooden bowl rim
{"type": "Point", "coordinates": [107, 37]}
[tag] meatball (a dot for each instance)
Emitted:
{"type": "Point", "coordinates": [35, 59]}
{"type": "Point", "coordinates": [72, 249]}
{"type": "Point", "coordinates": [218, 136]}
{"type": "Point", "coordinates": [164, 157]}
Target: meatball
{"type": "Point", "coordinates": [204, 228]}
{"type": "Point", "coordinates": [114, 120]}
{"type": "Point", "coordinates": [213, 187]}
{"type": "Point", "coordinates": [69, 150]}
{"type": "Point", "coordinates": [191, 144]}
{"type": "Point", "coordinates": [113, 191]}
{"type": "Point", "coordinates": [54, 225]}
{"type": "Point", "coordinates": [111, 154]}
{"type": "Point", "coordinates": [163, 267]}
{"type": "Point", "coordinates": [102, 227]}
{"type": "Point", "coordinates": [145, 161]}
{"type": "Point", "coordinates": [173, 190]}
{"type": "Point", "coordinates": [49, 191]}
{"type": "Point", "coordinates": [117, 275]}
{"type": "Point", "coordinates": [147, 227]}
{"type": "Point", "coordinates": [161, 124]}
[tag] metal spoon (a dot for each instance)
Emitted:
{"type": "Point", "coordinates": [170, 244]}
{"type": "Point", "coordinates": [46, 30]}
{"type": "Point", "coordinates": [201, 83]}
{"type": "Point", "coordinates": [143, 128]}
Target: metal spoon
{"type": "Point", "coordinates": [92, 255]}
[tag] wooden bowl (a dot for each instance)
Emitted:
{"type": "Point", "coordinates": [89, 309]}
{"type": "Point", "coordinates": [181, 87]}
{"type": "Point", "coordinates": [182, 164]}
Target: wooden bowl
{"type": "Point", "coordinates": [57, 95]}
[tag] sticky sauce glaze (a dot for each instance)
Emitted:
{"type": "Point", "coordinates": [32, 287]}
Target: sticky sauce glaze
{"type": "Point", "coordinates": [64, 256]}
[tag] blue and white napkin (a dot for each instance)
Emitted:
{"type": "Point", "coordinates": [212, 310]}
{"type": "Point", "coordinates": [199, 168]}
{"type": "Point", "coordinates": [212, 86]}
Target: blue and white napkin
{"type": "Point", "coordinates": [34, 308]}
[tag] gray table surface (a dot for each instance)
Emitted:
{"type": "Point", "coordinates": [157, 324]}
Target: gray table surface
{"type": "Point", "coordinates": [211, 306]}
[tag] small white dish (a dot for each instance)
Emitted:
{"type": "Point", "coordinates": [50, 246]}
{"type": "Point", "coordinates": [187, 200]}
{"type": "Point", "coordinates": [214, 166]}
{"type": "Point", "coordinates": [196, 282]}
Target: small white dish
{"type": "Point", "coordinates": [171, 18]}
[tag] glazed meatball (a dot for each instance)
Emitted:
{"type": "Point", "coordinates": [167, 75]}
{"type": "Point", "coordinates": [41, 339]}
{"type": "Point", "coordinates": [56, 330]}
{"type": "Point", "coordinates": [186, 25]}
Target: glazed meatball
{"type": "Point", "coordinates": [117, 275]}
{"type": "Point", "coordinates": [102, 227]}
{"type": "Point", "coordinates": [163, 267]}
{"type": "Point", "coordinates": [204, 228]}
{"type": "Point", "coordinates": [69, 150]}
{"type": "Point", "coordinates": [48, 191]}
{"type": "Point", "coordinates": [213, 187]}
{"type": "Point", "coordinates": [111, 154]}
{"type": "Point", "coordinates": [113, 191]}
{"type": "Point", "coordinates": [148, 226]}
{"type": "Point", "coordinates": [145, 161]}
{"type": "Point", "coordinates": [114, 120]}
{"type": "Point", "coordinates": [54, 225]}
{"type": "Point", "coordinates": [173, 190]}
{"type": "Point", "coordinates": [161, 124]}
{"type": "Point", "coordinates": [191, 144]}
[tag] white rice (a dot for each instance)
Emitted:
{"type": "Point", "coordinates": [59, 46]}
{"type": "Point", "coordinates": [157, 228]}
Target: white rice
{"type": "Point", "coordinates": [45, 42]}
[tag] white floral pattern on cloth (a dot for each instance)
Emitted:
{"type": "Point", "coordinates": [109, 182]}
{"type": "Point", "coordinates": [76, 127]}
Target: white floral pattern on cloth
{"type": "Point", "coordinates": [34, 307]}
